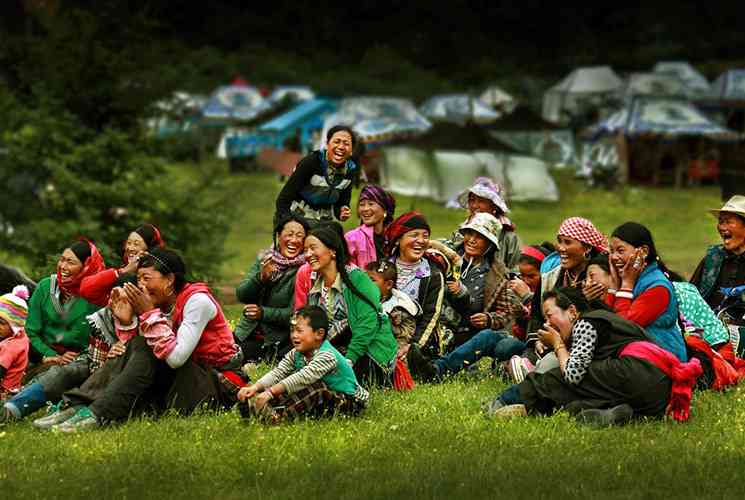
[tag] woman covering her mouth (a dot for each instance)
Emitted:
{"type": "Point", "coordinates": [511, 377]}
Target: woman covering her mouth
{"type": "Point", "coordinates": [267, 290]}
{"type": "Point", "coordinates": [56, 325]}
{"type": "Point", "coordinates": [320, 188]}
{"type": "Point", "coordinates": [375, 209]}
{"type": "Point", "coordinates": [97, 287]}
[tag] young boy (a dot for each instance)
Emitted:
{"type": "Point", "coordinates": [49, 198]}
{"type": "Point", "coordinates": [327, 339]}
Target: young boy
{"type": "Point", "coordinates": [312, 379]}
{"type": "Point", "coordinates": [400, 308]}
{"type": "Point", "coordinates": [14, 344]}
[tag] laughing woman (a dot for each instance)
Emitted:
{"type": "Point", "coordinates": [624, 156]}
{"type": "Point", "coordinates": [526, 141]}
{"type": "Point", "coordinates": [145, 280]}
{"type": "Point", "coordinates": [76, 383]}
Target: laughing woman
{"type": "Point", "coordinates": [366, 242]}
{"type": "Point", "coordinates": [267, 290]}
{"type": "Point", "coordinates": [56, 326]}
{"type": "Point", "coordinates": [320, 188]}
{"type": "Point", "coordinates": [609, 369]}
{"type": "Point", "coordinates": [184, 355]}
{"type": "Point", "coordinates": [352, 302]}
{"type": "Point", "coordinates": [96, 288]}
{"type": "Point", "coordinates": [642, 291]}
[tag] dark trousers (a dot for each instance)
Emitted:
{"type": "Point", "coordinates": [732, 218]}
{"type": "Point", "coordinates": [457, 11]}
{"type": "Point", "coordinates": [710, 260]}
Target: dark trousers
{"type": "Point", "coordinates": [369, 372]}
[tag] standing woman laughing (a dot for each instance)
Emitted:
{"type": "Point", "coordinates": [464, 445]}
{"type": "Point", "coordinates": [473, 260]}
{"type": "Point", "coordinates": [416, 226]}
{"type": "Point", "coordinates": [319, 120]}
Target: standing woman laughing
{"type": "Point", "coordinates": [320, 188]}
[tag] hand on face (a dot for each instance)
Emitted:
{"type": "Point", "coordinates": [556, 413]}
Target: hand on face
{"type": "Point", "coordinates": [518, 286]}
{"type": "Point", "coordinates": [549, 336]}
{"type": "Point", "coordinates": [633, 268]}
{"type": "Point", "coordinates": [345, 213]}
{"type": "Point", "coordinates": [593, 290]}
{"type": "Point", "coordinates": [140, 300]}
{"type": "Point", "coordinates": [120, 306]}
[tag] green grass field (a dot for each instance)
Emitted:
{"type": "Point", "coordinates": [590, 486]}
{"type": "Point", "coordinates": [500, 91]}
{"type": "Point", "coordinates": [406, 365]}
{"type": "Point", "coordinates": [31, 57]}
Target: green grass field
{"type": "Point", "coordinates": [430, 443]}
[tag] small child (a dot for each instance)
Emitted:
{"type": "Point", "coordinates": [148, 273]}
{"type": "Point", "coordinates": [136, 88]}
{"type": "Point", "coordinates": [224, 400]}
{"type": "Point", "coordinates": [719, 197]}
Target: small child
{"type": "Point", "coordinates": [400, 308]}
{"type": "Point", "coordinates": [14, 344]}
{"type": "Point", "coordinates": [312, 379]}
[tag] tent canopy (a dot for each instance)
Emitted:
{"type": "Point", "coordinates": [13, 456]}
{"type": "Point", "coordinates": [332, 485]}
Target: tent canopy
{"type": "Point", "coordinates": [294, 92]}
{"type": "Point", "coordinates": [582, 89]}
{"type": "Point", "coordinates": [235, 102]}
{"type": "Point", "coordinates": [378, 119]}
{"type": "Point", "coordinates": [457, 108]}
{"type": "Point", "coordinates": [452, 137]}
{"type": "Point", "coordinates": [497, 98]}
{"type": "Point", "coordinates": [730, 86]}
{"type": "Point", "coordinates": [694, 81]}
{"type": "Point", "coordinates": [663, 117]}
{"type": "Point", "coordinates": [657, 84]}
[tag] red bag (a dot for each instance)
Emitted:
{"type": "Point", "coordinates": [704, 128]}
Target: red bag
{"type": "Point", "coordinates": [725, 374]}
{"type": "Point", "coordinates": [402, 380]}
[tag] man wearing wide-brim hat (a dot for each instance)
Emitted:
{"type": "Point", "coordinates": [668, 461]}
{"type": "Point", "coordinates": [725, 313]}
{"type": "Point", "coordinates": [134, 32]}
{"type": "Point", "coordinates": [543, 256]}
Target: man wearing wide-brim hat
{"type": "Point", "coordinates": [724, 264]}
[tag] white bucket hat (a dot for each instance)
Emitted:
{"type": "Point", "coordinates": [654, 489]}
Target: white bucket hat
{"type": "Point", "coordinates": [735, 205]}
{"type": "Point", "coordinates": [486, 225]}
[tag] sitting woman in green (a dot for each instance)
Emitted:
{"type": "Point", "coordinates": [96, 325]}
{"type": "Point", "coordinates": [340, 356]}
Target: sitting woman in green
{"type": "Point", "coordinates": [57, 327]}
{"type": "Point", "coordinates": [267, 290]}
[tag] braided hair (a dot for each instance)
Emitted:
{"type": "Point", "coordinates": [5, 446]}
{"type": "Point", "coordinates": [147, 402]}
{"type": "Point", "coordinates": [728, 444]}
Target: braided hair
{"type": "Point", "coordinates": [329, 237]}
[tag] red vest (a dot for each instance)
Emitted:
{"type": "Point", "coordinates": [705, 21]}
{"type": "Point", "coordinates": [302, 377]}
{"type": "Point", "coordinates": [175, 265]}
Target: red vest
{"type": "Point", "coordinates": [216, 345]}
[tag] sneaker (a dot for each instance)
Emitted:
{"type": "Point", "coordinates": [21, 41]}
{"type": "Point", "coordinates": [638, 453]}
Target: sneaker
{"type": "Point", "coordinates": [56, 416]}
{"type": "Point", "coordinates": [83, 420]}
{"type": "Point", "coordinates": [510, 411]}
{"type": "Point", "coordinates": [517, 369]}
{"type": "Point", "coordinates": [421, 366]}
{"type": "Point", "coordinates": [618, 415]}
{"type": "Point", "coordinates": [489, 406]}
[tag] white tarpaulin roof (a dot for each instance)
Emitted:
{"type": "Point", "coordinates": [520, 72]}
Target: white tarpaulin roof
{"type": "Point", "coordinates": [582, 87]}
{"type": "Point", "coordinates": [235, 102]}
{"type": "Point", "coordinates": [457, 108]}
{"type": "Point", "coordinates": [659, 84]}
{"type": "Point", "coordinates": [694, 81]}
{"type": "Point", "coordinates": [497, 98]}
{"type": "Point", "coordinates": [296, 92]}
{"type": "Point", "coordinates": [443, 175]}
{"type": "Point", "coordinates": [666, 117]}
{"type": "Point", "coordinates": [730, 86]}
{"type": "Point", "coordinates": [378, 119]}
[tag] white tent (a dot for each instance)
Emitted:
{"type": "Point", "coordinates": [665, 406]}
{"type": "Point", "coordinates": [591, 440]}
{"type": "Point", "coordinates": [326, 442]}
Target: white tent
{"type": "Point", "coordinates": [458, 108]}
{"type": "Point", "coordinates": [442, 175]}
{"type": "Point", "coordinates": [498, 99]}
{"type": "Point", "coordinates": [656, 84]}
{"type": "Point", "coordinates": [696, 84]}
{"type": "Point", "coordinates": [294, 92]}
{"type": "Point", "coordinates": [582, 89]}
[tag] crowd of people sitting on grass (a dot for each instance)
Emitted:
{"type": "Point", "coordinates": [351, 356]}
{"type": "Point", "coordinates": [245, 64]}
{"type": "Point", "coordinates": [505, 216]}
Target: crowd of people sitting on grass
{"type": "Point", "coordinates": [595, 326]}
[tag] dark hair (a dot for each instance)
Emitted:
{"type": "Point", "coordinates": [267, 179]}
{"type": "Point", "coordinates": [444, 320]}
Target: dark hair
{"type": "Point", "coordinates": [126, 278]}
{"type": "Point", "coordinates": [341, 128]}
{"type": "Point", "coordinates": [81, 249]}
{"type": "Point", "coordinates": [569, 296]}
{"type": "Point", "coordinates": [316, 317]}
{"type": "Point", "coordinates": [282, 222]}
{"type": "Point", "coordinates": [331, 239]}
{"type": "Point", "coordinates": [384, 268]}
{"type": "Point", "coordinates": [637, 235]}
{"type": "Point", "coordinates": [545, 248]}
{"type": "Point", "coordinates": [149, 234]}
{"type": "Point", "coordinates": [165, 261]}
{"type": "Point", "coordinates": [600, 260]}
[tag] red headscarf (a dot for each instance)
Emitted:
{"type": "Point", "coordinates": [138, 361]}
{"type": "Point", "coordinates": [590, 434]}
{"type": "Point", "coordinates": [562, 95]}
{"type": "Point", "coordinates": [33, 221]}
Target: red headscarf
{"type": "Point", "coordinates": [92, 265]}
{"type": "Point", "coordinates": [583, 230]}
{"type": "Point", "coordinates": [402, 225]}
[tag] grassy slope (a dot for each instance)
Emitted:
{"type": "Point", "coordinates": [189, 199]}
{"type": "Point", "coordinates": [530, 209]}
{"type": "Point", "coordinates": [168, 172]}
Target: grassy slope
{"type": "Point", "coordinates": [432, 442]}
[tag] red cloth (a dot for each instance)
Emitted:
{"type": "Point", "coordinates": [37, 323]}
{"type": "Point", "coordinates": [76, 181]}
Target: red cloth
{"type": "Point", "coordinates": [91, 266]}
{"type": "Point", "coordinates": [728, 353]}
{"type": "Point", "coordinates": [216, 345]}
{"type": "Point", "coordinates": [644, 309]}
{"type": "Point", "coordinates": [683, 375]}
{"type": "Point", "coordinates": [725, 374]}
{"type": "Point", "coordinates": [97, 288]}
{"type": "Point", "coordinates": [303, 284]}
{"type": "Point", "coordinates": [402, 380]}
{"type": "Point", "coordinates": [14, 358]}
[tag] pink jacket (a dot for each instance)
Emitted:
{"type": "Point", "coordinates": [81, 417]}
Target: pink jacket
{"type": "Point", "coordinates": [361, 245]}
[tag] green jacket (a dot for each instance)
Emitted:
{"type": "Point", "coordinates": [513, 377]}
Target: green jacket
{"type": "Point", "coordinates": [368, 335]}
{"type": "Point", "coordinates": [46, 326]}
{"type": "Point", "coordinates": [275, 300]}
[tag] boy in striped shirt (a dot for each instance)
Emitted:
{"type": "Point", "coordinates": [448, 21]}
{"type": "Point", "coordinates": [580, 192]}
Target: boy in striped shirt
{"type": "Point", "coordinates": [313, 379]}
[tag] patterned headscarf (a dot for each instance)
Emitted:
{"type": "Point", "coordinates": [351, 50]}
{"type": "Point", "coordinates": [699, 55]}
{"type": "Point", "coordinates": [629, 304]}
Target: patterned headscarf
{"type": "Point", "coordinates": [402, 225]}
{"type": "Point", "coordinates": [484, 187]}
{"type": "Point", "coordinates": [583, 230]}
{"type": "Point", "coordinates": [91, 265]}
{"type": "Point", "coordinates": [380, 196]}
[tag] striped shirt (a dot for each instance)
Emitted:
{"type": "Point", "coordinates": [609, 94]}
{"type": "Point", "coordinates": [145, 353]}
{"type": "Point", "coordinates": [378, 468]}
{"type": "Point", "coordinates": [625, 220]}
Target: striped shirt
{"type": "Point", "coordinates": [320, 364]}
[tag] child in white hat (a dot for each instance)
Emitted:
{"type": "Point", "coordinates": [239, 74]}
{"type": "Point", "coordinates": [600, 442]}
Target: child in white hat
{"type": "Point", "coordinates": [13, 341]}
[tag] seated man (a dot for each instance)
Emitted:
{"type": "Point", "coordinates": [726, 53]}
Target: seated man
{"type": "Point", "coordinates": [312, 379]}
{"type": "Point", "coordinates": [723, 266]}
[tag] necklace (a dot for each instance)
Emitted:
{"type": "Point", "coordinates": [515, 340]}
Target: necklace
{"type": "Point", "coordinates": [571, 279]}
